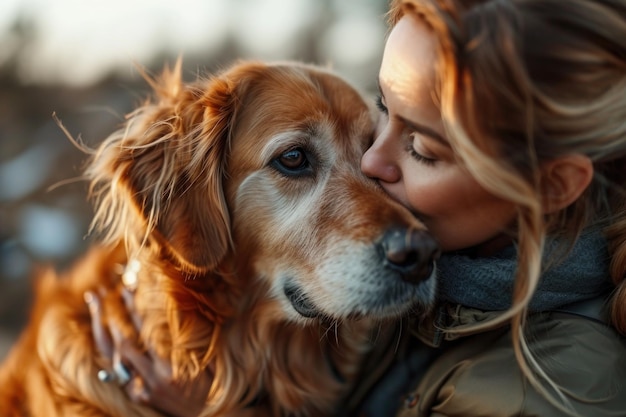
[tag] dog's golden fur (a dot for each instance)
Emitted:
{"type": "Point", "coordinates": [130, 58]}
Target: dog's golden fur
{"type": "Point", "coordinates": [228, 191]}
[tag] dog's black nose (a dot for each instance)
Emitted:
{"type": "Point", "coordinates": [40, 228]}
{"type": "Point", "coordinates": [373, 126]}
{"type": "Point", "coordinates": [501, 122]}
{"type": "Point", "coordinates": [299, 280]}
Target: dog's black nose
{"type": "Point", "coordinates": [410, 252]}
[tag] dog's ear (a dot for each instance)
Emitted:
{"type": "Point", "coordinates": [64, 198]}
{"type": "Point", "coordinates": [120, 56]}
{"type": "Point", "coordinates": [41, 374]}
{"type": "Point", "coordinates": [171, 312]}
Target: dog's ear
{"type": "Point", "coordinates": [170, 159]}
{"type": "Point", "coordinates": [195, 221]}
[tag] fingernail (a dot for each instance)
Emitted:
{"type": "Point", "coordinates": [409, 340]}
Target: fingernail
{"type": "Point", "coordinates": [144, 395]}
{"type": "Point", "coordinates": [89, 297]}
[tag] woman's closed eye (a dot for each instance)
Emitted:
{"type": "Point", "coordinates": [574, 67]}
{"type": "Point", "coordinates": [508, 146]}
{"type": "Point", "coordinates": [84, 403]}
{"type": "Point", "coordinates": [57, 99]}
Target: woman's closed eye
{"type": "Point", "coordinates": [418, 151]}
{"type": "Point", "coordinates": [414, 143]}
{"type": "Point", "coordinates": [419, 157]}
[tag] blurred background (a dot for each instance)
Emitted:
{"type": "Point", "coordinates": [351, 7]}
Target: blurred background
{"type": "Point", "coordinates": [77, 59]}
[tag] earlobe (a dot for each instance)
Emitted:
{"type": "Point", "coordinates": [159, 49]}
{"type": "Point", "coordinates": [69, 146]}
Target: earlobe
{"type": "Point", "coordinates": [564, 180]}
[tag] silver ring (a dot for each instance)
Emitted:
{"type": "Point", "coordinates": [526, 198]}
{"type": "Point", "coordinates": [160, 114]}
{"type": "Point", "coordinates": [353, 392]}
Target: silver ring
{"type": "Point", "coordinates": [105, 376]}
{"type": "Point", "coordinates": [121, 374]}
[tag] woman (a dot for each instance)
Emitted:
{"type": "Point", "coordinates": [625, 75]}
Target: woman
{"type": "Point", "coordinates": [504, 128]}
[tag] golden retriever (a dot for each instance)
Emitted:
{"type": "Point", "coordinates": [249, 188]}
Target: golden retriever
{"type": "Point", "coordinates": [259, 250]}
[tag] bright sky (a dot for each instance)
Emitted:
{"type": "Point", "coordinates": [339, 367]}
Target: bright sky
{"type": "Point", "coordinates": [79, 41]}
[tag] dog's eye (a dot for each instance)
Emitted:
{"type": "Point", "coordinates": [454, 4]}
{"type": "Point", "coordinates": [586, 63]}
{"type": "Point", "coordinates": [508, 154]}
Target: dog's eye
{"type": "Point", "coordinates": [292, 162]}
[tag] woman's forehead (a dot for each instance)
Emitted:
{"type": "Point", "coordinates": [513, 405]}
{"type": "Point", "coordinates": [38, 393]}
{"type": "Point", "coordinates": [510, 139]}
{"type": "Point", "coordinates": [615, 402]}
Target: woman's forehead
{"type": "Point", "coordinates": [408, 65]}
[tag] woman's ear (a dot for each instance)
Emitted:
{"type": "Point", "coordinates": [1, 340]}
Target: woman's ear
{"type": "Point", "coordinates": [564, 179]}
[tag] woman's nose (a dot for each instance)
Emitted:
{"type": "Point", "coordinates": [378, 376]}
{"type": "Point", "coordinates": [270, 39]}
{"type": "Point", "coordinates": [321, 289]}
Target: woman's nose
{"type": "Point", "coordinates": [379, 161]}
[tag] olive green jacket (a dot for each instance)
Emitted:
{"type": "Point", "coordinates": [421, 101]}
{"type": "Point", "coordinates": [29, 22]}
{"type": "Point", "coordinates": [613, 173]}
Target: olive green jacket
{"type": "Point", "coordinates": [439, 374]}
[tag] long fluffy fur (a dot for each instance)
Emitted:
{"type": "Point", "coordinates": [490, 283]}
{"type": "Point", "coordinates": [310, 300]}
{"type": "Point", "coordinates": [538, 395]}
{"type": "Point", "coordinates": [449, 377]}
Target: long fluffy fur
{"type": "Point", "coordinates": [187, 189]}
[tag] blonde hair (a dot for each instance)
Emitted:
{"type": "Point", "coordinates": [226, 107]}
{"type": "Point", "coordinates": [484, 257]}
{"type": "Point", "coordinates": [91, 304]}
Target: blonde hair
{"type": "Point", "coordinates": [521, 82]}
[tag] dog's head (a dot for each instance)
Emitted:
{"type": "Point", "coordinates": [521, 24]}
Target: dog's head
{"type": "Point", "coordinates": [260, 165]}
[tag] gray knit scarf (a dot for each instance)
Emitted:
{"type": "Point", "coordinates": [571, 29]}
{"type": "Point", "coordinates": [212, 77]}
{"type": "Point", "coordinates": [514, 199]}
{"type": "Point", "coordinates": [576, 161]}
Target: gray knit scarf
{"type": "Point", "coordinates": [487, 283]}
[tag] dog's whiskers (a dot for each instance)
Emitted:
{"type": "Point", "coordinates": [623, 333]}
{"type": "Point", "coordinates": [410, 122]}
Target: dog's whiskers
{"type": "Point", "coordinates": [399, 338]}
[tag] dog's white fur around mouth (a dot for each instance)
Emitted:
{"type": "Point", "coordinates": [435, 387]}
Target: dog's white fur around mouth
{"type": "Point", "coordinates": [388, 301]}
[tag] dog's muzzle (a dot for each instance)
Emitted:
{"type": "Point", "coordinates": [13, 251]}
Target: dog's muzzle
{"type": "Point", "coordinates": [403, 272]}
{"type": "Point", "coordinates": [409, 252]}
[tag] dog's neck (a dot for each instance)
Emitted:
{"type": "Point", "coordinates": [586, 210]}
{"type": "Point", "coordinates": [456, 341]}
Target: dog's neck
{"type": "Point", "coordinates": [251, 348]}
{"type": "Point", "coordinates": [181, 313]}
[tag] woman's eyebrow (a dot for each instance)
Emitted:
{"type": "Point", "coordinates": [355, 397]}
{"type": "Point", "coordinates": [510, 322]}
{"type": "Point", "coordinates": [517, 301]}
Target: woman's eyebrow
{"type": "Point", "coordinates": [424, 130]}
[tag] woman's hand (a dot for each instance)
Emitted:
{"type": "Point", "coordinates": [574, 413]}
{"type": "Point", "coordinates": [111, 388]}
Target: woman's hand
{"type": "Point", "coordinates": [146, 377]}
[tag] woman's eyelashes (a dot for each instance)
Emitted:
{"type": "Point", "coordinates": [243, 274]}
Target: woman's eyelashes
{"type": "Point", "coordinates": [380, 105]}
{"type": "Point", "coordinates": [419, 157]}
{"type": "Point", "coordinates": [420, 147]}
